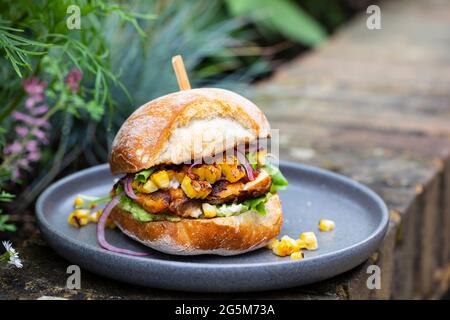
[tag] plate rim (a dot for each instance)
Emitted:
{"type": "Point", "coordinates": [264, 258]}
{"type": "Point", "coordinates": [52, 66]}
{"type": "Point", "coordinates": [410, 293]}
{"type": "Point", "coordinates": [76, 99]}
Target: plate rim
{"type": "Point", "coordinates": [379, 232]}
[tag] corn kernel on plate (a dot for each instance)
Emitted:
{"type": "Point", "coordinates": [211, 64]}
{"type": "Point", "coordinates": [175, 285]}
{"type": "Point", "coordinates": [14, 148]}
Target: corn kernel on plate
{"type": "Point", "coordinates": [331, 225]}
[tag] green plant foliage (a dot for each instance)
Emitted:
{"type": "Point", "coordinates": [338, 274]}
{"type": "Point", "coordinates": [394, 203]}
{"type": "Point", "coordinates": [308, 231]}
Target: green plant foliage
{"type": "Point", "coordinates": [4, 225]}
{"type": "Point", "coordinates": [35, 41]}
{"type": "Point", "coordinates": [282, 16]}
{"type": "Point", "coordinates": [17, 49]}
{"type": "Point", "coordinates": [145, 65]}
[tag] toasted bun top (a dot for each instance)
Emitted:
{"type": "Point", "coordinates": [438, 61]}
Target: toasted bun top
{"type": "Point", "coordinates": [188, 124]}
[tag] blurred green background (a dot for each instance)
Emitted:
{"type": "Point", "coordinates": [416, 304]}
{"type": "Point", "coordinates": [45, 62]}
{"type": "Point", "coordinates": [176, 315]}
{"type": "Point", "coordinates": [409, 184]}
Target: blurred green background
{"type": "Point", "coordinates": [66, 92]}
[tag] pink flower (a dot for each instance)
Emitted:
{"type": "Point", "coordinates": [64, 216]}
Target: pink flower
{"type": "Point", "coordinates": [21, 131]}
{"type": "Point", "coordinates": [26, 148]}
{"type": "Point", "coordinates": [19, 116]}
{"type": "Point", "coordinates": [39, 122]}
{"type": "Point", "coordinates": [40, 135]}
{"type": "Point", "coordinates": [73, 79]}
{"type": "Point", "coordinates": [14, 147]}
{"type": "Point", "coordinates": [33, 86]}
{"type": "Point", "coordinates": [32, 100]}
{"type": "Point", "coordinates": [32, 146]}
{"type": "Point", "coordinates": [33, 156]}
{"type": "Point", "coordinates": [40, 110]}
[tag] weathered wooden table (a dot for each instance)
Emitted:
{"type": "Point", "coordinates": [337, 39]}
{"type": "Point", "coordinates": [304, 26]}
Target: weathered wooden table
{"type": "Point", "coordinates": [372, 105]}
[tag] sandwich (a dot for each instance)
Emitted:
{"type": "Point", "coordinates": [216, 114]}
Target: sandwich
{"type": "Point", "coordinates": [197, 177]}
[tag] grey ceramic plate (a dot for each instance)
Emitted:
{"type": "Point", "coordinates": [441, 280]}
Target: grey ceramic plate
{"type": "Point", "coordinates": [361, 221]}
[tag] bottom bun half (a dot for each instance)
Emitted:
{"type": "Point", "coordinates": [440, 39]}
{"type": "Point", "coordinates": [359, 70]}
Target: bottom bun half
{"type": "Point", "coordinates": [222, 236]}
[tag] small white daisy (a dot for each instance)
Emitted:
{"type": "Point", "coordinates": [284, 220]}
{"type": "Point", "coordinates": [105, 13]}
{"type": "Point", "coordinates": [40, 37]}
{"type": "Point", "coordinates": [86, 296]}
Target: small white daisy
{"type": "Point", "coordinates": [15, 260]}
{"type": "Point", "coordinates": [7, 245]}
{"type": "Point", "coordinates": [11, 255]}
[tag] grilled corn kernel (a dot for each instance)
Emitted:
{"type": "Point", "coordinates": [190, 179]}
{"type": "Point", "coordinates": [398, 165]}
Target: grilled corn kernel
{"type": "Point", "coordinates": [73, 220]}
{"type": "Point", "coordinates": [195, 189]}
{"type": "Point", "coordinates": [298, 255]}
{"type": "Point", "coordinates": [310, 241]}
{"type": "Point", "coordinates": [94, 216]}
{"type": "Point", "coordinates": [272, 243]}
{"type": "Point", "coordinates": [161, 179]}
{"type": "Point", "coordinates": [209, 211]}
{"type": "Point", "coordinates": [79, 218]}
{"type": "Point", "coordinates": [199, 171]}
{"type": "Point", "coordinates": [135, 184]}
{"type": "Point", "coordinates": [292, 242]}
{"type": "Point", "coordinates": [285, 247]}
{"type": "Point", "coordinates": [301, 244]}
{"type": "Point", "coordinates": [78, 202]}
{"type": "Point", "coordinates": [175, 175]}
{"type": "Point", "coordinates": [148, 187]}
{"type": "Point", "coordinates": [261, 157]}
{"type": "Point", "coordinates": [282, 249]}
{"type": "Point", "coordinates": [326, 225]}
{"type": "Point", "coordinates": [212, 173]}
{"type": "Point", "coordinates": [82, 213]}
{"type": "Point", "coordinates": [232, 172]}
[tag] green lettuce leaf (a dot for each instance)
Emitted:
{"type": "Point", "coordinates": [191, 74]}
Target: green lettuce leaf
{"type": "Point", "coordinates": [258, 204]}
{"type": "Point", "coordinates": [279, 182]}
{"type": "Point", "coordinates": [251, 157]}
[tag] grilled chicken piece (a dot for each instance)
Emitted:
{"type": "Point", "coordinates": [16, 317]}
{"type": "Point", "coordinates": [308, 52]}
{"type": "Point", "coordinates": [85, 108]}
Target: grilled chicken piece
{"type": "Point", "coordinates": [155, 202]}
{"type": "Point", "coordinates": [183, 206]}
{"type": "Point", "coordinates": [224, 191]}
{"type": "Point", "coordinates": [258, 187]}
{"type": "Point", "coordinates": [173, 200]}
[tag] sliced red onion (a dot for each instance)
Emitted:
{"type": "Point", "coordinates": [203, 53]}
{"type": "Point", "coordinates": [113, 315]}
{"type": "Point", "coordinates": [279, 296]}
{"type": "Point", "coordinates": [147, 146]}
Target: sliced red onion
{"type": "Point", "coordinates": [247, 166]}
{"type": "Point", "coordinates": [128, 188]}
{"type": "Point", "coordinates": [196, 162]}
{"type": "Point", "coordinates": [101, 231]}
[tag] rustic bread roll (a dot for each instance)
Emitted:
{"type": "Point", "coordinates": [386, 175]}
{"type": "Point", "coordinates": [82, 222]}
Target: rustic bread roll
{"type": "Point", "coordinates": [184, 125]}
{"type": "Point", "coordinates": [222, 236]}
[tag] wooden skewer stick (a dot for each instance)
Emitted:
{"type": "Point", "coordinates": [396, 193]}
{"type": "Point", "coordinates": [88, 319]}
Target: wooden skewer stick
{"type": "Point", "coordinates": [180, 72]}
